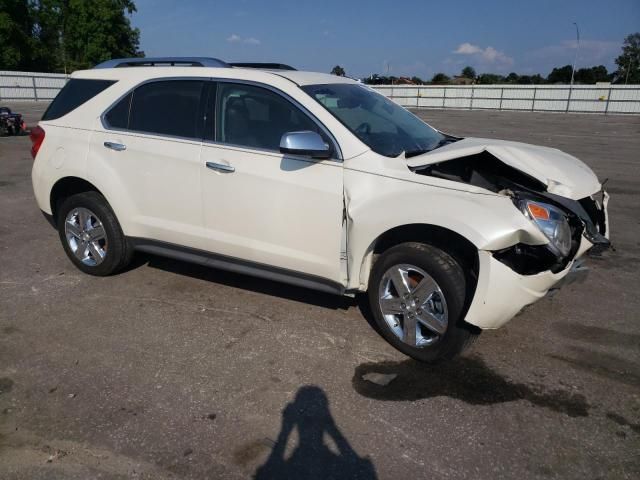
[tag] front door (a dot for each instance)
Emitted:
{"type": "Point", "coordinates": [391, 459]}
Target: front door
{"type": "Point", "coordinates": [260, 205]}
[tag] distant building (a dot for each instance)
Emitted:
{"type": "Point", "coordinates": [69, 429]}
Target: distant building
{"type": "Point", "coordinates": [404, 81]}
{"type": "Point", "coordinates": [460, 80]}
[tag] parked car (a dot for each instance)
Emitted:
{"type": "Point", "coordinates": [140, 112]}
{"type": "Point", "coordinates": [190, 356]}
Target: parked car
{"type": "Point", "coordinates": [313, 180]}
{"type": "Point", "coordinates": [11, 123]}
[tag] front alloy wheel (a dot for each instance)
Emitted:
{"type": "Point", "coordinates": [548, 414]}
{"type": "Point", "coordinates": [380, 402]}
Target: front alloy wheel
{"type": "Point", "coordinates": [413, 305]}
{"type": "Point", "coordinates": [418, 295]}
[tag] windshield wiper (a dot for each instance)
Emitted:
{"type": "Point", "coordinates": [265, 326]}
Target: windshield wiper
{"type": "Point", "coordinates": [420, 151]}
{"type": "Point", "coordinates": [415, 153]}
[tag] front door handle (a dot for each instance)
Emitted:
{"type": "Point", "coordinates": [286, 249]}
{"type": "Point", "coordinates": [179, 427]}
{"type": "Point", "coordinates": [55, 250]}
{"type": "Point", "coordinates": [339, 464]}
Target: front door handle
{"type": "Point", "coordinates": [118, 147]}
{"type": "Point", "coordinates": [220, 167]}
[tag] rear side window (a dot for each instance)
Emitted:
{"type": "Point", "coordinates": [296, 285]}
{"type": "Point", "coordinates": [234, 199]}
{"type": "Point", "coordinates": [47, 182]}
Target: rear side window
{"type": "Point", "coordinates": [169, 107]}
{"type": "Point", "coordinates": [118, 116]}
{"type": "Point", "coordinates": [76, 92]}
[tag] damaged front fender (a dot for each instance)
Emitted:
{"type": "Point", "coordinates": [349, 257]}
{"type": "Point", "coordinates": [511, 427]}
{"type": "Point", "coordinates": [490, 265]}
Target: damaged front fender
{"type": "Point", "coordinates": [376, 204]}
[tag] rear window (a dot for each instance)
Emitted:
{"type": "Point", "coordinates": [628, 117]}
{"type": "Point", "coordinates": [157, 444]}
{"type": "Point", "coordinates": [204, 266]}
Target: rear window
{"type": "Point", "coordinates": [76, 92]}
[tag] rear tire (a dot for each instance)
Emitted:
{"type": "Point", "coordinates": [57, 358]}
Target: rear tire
{"type": "Point", "coordinates": [91, 235]}
{"type": "Point", "coordinates": [417, 294]}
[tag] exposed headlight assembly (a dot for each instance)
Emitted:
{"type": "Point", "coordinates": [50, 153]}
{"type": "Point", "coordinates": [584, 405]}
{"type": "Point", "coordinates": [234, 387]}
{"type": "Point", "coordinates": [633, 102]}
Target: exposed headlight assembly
{"type": "Point", "coordinates": [552, 222]}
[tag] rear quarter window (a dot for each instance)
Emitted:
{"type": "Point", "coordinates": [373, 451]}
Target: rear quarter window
{"type": "Point", "coordinates": [76, 92]}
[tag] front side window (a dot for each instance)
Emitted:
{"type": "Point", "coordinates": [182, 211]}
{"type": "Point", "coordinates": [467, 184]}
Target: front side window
{"type": "Point", "coordinates": [384, 126]}
{"type": "Point", "coordinates": [170, 107]}
{"type": "Point", "coordinates": [256, 117]}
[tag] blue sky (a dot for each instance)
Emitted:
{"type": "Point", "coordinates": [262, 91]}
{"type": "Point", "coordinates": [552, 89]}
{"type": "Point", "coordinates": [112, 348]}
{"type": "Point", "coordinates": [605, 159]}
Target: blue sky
{"type": "Point", "coordinates": [408, 37]}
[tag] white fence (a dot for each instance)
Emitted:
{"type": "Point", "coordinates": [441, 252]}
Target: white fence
{"type": "Point", "coordinates": [537, 98]}
{"type": "Point", "coordinates": [30, 86]}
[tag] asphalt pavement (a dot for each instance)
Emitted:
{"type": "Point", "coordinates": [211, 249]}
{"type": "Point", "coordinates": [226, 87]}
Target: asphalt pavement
{"type": "Point", "coordinates": [171, 370]}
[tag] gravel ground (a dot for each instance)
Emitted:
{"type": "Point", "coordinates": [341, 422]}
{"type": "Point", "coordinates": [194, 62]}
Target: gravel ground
{"type": "Point", "coordinates": [170, 370]}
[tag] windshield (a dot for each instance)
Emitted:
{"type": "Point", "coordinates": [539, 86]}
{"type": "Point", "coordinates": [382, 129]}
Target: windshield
{"type": "Point", "coordinates": [386, 127]}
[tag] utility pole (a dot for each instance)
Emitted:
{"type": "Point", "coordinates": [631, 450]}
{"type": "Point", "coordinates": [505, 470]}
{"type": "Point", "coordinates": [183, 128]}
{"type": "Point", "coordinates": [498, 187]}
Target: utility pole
{"type": "Point", "coordinates": [575, 59]}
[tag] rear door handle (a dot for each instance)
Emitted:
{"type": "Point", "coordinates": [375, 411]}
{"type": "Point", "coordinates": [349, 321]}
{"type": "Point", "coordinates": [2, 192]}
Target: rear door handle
{"type": "Point", "coordinates": [118, 147]}
{"type": "Point", "coordinates": [220, 167]}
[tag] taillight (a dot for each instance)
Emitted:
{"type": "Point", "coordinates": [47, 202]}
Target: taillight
{"type": "Point", "coordinates": [37, 137]}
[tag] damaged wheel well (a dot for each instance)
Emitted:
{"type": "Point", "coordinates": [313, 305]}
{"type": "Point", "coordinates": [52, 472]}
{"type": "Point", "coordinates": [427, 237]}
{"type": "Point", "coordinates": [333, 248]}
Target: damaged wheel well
{"type": "Point", "coordinates": [461, 249]}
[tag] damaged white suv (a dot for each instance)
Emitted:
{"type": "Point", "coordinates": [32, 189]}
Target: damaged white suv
{"type": "Point", "coordinates": [314, 180]}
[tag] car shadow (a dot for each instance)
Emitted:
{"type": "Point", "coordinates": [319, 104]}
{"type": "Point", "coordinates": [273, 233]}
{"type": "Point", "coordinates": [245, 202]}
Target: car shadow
{"type": "Point", "coordinates": [311, 457]}
{"type": "Point", "coordinates": [467, 379]}
{"type": "Point", "coordinates": [245, 282]}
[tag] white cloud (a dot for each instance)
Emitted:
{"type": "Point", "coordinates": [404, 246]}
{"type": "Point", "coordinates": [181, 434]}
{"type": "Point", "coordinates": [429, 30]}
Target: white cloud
{"type": "Point", "coordinates": [233, 38]}
{"type": "Point", "coordinates": [467, 49]}
{"type": "Point", "coordinates": [486, 55]}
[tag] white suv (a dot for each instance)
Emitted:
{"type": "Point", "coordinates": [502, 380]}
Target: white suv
{"type": "Point", "coordinates": [314, 180]}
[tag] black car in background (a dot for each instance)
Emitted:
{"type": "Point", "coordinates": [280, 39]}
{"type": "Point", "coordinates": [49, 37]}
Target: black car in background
{"type": "Point", "coordinates": [11, 123]}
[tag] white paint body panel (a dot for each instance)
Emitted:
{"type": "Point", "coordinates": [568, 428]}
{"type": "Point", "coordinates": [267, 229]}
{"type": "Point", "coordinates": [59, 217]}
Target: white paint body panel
{"type": "Point", "coordinates": [287, 212]}
{"type": "Point", "coordinates": [274, 209]}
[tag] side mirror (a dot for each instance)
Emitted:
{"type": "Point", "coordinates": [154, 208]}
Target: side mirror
{"type": "Point", "coordinates": [304, 143]}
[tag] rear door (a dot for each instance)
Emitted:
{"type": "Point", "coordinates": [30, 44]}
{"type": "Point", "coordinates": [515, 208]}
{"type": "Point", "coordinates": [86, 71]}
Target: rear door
{"type": "Point", "coordinates": [148, 145]}
{"type": "Point", "coordinates": [259, 204]}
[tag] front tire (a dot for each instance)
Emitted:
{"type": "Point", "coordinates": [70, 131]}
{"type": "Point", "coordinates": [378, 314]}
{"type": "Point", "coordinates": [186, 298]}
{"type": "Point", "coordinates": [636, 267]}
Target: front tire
{"type": "Point", "coordinates": [91, 235]}
{"type": "Point", "coordinates": [417, 294]}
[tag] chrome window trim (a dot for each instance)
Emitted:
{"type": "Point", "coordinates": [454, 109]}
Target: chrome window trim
{"type": "Point", "coordinates": [277, 91]}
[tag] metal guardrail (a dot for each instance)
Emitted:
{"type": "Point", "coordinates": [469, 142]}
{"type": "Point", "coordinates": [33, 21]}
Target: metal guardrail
{"type": "Point", "coordinates": [540, 98]}
{"type": "Point", "coordinates": [26, 86]}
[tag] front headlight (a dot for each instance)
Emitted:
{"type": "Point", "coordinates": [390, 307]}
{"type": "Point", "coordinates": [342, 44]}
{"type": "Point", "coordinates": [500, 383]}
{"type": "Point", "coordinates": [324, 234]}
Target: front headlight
{"type": "Point", "coordinates": [552, 222]}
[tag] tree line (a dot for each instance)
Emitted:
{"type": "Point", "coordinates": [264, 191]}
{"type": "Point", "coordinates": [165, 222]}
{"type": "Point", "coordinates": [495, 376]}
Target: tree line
{"type": "Point", "coordinates": [558, 75]}
{"type": "Point", "coordinates": [65, 35]}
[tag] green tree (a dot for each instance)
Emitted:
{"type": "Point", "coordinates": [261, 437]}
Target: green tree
{"type": "Point", "coordinates": [601, 74]}
{"type": "Point", "coordinates": [16, 29]}
{"type": "Point", "coordinates": [338, 70]}
{"type": "Point", "coordinates": [98, 30]}
{"type": "Point", "coordinates": [440, 78]}
{"type": "Point", "coordinates": [490, 79]}
{"type": "Point", "coordinates": [629, 61]}
{"type": "Point", "coordinates": [468, 72]}
{"type": "Point", "coordinates": [64, 35]}
{"type": "Point", "coordinates": [512, 78]}
{"type": "Point", "coordinates": [417, 80]}
{"type": "Point", "coordinates": [537, 79]}
{"type": "Point", "coordinates": [585, 76]}
{"type": "Point", "coordinates": [560, 75]}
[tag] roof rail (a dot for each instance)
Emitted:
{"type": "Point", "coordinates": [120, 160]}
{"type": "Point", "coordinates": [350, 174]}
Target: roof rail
{"type": "Point", "coordinates": [263, 66]}
{"type": "Point", "coordinates": [163, 62]}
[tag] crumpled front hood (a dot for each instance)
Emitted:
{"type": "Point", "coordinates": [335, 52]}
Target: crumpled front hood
{"type": "Point", "coordinates": [563, 174]}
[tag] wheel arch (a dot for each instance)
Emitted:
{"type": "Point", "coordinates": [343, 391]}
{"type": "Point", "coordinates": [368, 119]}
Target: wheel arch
{"type": "Point", "coordinates": [453, 243]}
{"type": "Point", "coordinates": [65, 187]}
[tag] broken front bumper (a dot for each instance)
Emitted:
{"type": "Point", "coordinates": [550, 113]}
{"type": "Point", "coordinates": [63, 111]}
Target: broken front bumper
{"type": "Point", "coordinates": [501, 293]}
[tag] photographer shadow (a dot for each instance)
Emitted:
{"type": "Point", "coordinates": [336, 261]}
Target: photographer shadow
{"type": "Point", "coordinates": [312, 458]}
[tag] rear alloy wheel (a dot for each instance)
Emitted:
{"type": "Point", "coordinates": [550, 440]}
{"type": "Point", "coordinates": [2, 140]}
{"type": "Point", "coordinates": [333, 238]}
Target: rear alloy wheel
{"type": "Point", "coordinates": [417, 294]}
{"type": "Point", "coordinates": [91, 235]}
